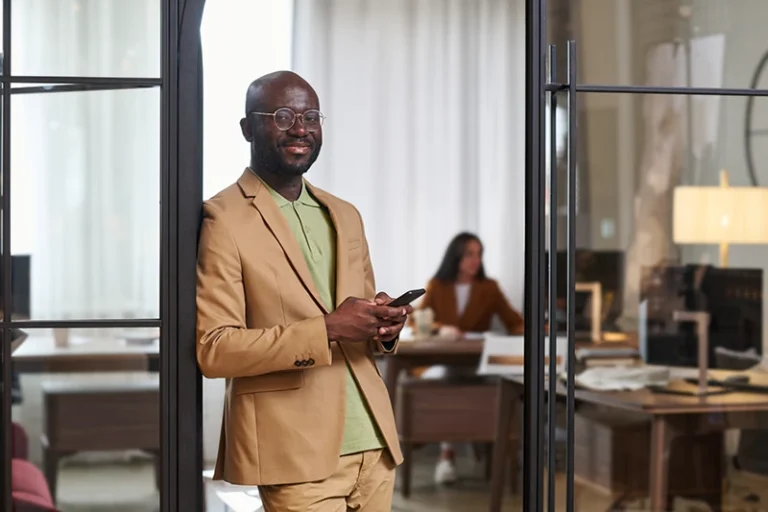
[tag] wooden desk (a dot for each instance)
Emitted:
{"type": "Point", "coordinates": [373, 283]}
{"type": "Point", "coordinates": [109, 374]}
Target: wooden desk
{"type": "Point", "coordinates": [431, 351]}
{"type": "Point", "coordinates": [86, 415]}
{"type": "Point", "coordinates": [39, 354]}
{"type": "Point", "coordinates": [672, 416]}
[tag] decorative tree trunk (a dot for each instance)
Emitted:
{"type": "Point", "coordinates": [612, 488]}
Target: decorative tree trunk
{"type": "Point", "coordinates": [661, 169]}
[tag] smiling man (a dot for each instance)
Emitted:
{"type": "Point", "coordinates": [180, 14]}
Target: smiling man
{"type": "Point", "coordinates": [288, 314]}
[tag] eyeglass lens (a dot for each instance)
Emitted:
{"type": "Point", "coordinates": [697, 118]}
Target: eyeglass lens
{"type": "Point", "coordinates": [285, 119]}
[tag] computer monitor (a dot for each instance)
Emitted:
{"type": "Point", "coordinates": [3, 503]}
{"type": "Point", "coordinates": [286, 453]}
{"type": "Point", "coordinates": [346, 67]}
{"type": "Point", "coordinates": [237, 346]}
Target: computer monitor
{"type": "Point", "coordinates": [605, 267]}
{"type": "Point", "coordinates": [733, 297]}
{"type": "Point", "coordinates": [20, 286]}
{"type": "Point", "coordinates": [20, 295]}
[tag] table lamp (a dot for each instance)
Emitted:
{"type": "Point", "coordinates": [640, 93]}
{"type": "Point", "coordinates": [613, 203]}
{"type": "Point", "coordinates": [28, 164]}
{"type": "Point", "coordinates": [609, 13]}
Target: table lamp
{"type": "Point", "coordinates": [720, 215]}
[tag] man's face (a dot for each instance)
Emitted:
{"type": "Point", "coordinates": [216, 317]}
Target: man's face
{"type": "Point", "coordinates": [287, 152]}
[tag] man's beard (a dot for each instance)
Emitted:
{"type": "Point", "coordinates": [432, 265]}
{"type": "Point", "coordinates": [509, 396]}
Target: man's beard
{"type": "Point", "coordinates": [271, 159]}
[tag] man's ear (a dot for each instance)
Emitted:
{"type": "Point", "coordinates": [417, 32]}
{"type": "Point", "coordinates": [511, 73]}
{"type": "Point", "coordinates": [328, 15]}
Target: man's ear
{"type": "Point", "coordinates": [247, 129]}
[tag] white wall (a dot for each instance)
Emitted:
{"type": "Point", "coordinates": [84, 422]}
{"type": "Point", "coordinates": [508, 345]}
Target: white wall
{"type": "Point", "coordinates": [242, 40]}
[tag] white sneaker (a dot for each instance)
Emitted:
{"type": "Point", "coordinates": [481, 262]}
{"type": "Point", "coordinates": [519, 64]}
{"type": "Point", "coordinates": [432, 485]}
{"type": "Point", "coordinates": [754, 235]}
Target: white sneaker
{"type": "Point", "coordinates": [445, 472]}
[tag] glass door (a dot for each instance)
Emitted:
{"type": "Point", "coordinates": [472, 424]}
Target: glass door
{"type": "Point", "coordinates": [646, 250]}
{"type": "Point", "coordinates": [97, 299]}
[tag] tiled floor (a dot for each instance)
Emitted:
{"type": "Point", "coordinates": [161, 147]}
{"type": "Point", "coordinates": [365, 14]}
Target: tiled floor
{"type": "Point", "coordinates": [129, 487]}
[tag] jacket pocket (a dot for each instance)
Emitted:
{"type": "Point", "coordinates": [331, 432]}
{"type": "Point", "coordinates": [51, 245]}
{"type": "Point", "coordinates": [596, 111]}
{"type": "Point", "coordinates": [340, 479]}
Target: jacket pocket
{"type": "Point", "coordinates": [278, 381]}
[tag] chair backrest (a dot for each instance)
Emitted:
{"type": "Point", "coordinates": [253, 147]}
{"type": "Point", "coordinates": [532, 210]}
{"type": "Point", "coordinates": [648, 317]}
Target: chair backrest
{"type": "Point", "coordinates": [731, 360]}
{"type": "Point", "coordinates": [20, 447]}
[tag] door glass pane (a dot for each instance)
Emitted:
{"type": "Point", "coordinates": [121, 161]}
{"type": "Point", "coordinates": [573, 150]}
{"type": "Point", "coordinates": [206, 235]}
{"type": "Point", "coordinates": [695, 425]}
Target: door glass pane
{"type": "Point", "coordinates": [708, 43]}
{"type": "Point", "coordinates": [86, 415]}
{"type": "Point", "coordinates": [655, 209]}
{"type": "Point", "coordinates": [448, 154]}
{"type": "Point", "coordinates": [85, 204]}
{"type": "Point", "coordinates": [99, 38]}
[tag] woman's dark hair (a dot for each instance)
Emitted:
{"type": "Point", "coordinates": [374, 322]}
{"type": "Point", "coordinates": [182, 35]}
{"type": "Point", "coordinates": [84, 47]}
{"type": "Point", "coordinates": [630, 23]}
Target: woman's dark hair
{"type": "Point", "coordinates": [449, 267]}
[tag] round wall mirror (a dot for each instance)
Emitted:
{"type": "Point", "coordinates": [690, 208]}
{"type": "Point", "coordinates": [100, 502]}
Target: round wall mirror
{"type": "Point", "coordinates": [756, 127]}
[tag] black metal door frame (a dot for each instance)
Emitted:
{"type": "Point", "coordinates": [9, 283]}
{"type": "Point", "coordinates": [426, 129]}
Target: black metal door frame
{"type": "Point", "coordinates": [538, 86]}
{"type": "Point", "coordinates": [180, 177]}
{"type": "Point", "coordinates": [541, 86]}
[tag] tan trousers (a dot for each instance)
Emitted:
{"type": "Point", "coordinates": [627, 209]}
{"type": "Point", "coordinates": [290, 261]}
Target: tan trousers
{"type": "Point", "coordinates": [362, 482]}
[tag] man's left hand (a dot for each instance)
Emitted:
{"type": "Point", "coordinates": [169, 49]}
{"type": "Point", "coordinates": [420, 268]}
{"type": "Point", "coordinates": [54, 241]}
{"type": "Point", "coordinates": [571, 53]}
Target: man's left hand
{"type": "Point", "coordinates": [396, 323]}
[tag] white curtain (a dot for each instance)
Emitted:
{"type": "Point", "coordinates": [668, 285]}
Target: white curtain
{"type": "Point", "coordinates": [86, 165]}
{"type": "Point", "coordinates": [425, 126]}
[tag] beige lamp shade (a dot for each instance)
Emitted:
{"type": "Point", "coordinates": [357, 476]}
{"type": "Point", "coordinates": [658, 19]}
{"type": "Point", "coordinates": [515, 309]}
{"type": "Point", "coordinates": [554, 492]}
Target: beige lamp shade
{"type": "Point", "coordinates": [717, 215]}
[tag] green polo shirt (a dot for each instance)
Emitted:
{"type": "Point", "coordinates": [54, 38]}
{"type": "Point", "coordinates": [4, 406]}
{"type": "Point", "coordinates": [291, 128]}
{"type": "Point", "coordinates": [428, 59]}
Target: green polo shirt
{"type": "Point", "coordinates": [314, 231]}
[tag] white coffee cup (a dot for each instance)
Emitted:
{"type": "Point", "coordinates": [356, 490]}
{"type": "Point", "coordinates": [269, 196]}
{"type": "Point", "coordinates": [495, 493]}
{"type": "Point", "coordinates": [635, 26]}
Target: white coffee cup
{"type": "Point", "coordinates": [424, 319]}
{"type": "Point", "coordinates": [61, 338]}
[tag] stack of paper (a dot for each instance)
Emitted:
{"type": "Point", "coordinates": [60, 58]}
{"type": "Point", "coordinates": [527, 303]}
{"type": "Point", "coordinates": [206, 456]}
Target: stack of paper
{"type": "Point", "coordinates": [622, 378]}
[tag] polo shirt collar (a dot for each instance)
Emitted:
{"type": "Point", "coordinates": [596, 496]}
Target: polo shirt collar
{"type": "Point", "coordinates": [305, 197]}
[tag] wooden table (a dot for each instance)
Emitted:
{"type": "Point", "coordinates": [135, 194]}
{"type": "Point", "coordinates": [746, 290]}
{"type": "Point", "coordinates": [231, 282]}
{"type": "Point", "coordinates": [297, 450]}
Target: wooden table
{"type": "Point", "coordinates": [93, 415]}
{"type": "Point", "coordinates": [463, 352]}
{"type": "Point", "coordinates": [672, 416]}
{"type": "Point", "coordinates": [429, 351]}
{"type": "Point", "coordinates": [39, 354]}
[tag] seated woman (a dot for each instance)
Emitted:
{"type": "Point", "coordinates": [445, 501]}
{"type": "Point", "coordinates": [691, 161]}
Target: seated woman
{"type": "Point", "coordinates": [463, 300]}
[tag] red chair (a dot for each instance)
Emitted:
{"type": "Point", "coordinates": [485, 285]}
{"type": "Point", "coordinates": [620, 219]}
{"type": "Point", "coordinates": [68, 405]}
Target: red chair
{"type": "Point", "coordinates": [20, 442]}
{"type": "Point", "coordinates": [29, 488]}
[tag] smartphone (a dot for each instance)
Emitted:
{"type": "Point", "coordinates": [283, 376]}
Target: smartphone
{"type": "Point", "coordinates": [407, 298]}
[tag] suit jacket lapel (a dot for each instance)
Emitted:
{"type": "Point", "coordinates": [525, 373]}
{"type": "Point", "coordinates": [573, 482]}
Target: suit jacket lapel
{"type": "Point", "coordinates": [451, 304]}
{"type": "Point", "coordinates": [265, 204]}
{"type": "Point", "coordinates": [343, 285]}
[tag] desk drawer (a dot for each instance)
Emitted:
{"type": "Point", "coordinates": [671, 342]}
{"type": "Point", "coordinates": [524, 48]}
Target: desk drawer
{"type": "Point", "coordinates": [106, 420]}
{"type": "Point", "coordinates": [611, 450]}
{"type": "Point", "coordinates": [447, 412]}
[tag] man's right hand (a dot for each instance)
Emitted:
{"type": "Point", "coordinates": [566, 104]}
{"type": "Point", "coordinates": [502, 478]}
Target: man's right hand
{"type": "Point", "coordinates": [359, 320]}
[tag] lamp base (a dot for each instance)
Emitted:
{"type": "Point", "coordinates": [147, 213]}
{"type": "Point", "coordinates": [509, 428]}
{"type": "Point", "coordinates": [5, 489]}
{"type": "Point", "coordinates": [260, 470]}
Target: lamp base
{"type": "Point", "coordinates": [723, 255]}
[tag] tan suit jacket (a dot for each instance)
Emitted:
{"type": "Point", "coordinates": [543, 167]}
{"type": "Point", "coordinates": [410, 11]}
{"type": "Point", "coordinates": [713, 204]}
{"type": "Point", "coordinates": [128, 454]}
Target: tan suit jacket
{"type": "Point", "coordinates": [260, 325]}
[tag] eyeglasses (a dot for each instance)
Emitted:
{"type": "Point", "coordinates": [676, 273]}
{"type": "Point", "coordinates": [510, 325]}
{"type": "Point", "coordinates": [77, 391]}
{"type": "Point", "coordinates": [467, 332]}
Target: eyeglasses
{"type": "Point", "coordinates": [285, 118]}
